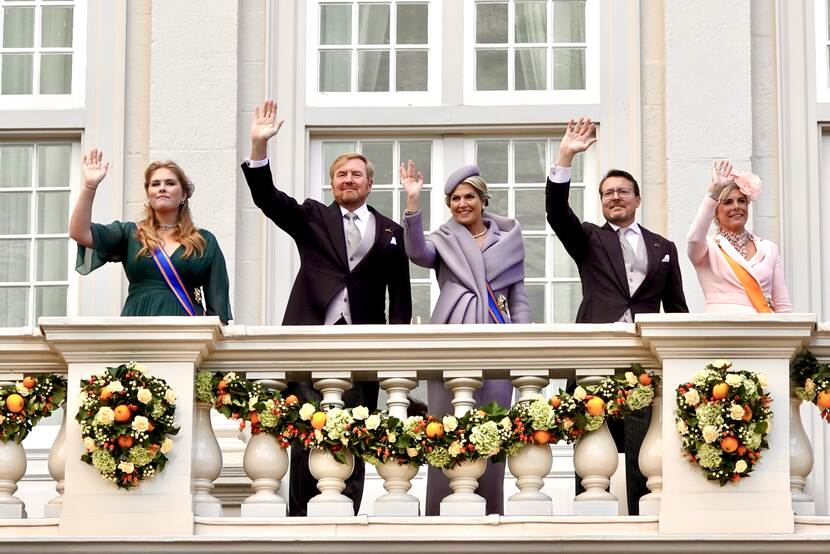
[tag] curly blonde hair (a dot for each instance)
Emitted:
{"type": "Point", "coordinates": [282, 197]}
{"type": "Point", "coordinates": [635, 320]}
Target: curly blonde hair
{"type": "Point", "coordinates": [186, 232]}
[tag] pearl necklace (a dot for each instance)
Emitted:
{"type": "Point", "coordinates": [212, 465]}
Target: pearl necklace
{"type": "Point", "coordinates": [481, 234]}
{"type": "Point", "coordinates": [738, 240]}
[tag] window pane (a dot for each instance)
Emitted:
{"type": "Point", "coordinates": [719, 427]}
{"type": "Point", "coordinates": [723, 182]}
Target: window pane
{"type": "Point", "coordinates": [381, 154]}
{"type": "Point", "coordinates": [566, 299]}
{"type": "Point", "coordinates": [56, 27]}
{"type": "Point", "coordinates": [412, 23]}
{"type": "Point", "coordinates": [531, 73]}
{"type": "Point", "coordinates": [335, 70]}
{"type": "Point", "coordinates": [491, 23]}
{"type": "Point", "coordinates": [536, 299]}
{"type": "Point", "coordinates": [575, 199]}
{"type": "Point", "coordinates": [578, 169]}
{"type": "Point", "coordinates": [425, 211]}
{"type": "Point", "coordinates": [17, 74]}
{"type": "Point", "coordinates": [530, 209]}
{"type": "Point", "coordinates": [50, 301]}
{"type": "Point", "coordinates": [15, 166]}
{"type": "Point", "coordinates": [411, 70]}
{"type": "Point", "coordinates": [330, 152]}
{"type": "Point", "coordinates": [498, 201]}
{"type": "Point", "coordinates": [52, 212]}
{"type": "Point", "coordinates": [53, 161]}
{"type": "Point", "coordinates": [420, 304]}
{"type": "Point", "coordinates": [491, 157]}
{"type": "Point", "coordinates": [381, 200]}
{"type": "Point", "coordinates": [569, 68]}
{"type": "Point", "coordinates": [373, 24]}
{"type": "Point", "coordinates": [529, 161]}
{"type": "Point", "coordinates": [418, 272]}
{"type": "Point", "coordinates": [14, 213]}
{"type": "Point", "coordinates": [56, 74]}
{"type": "Point", "coordinates": [531, 22]}
{"type": "Point", "coordinates": [335, 24]}
{"type": "Point", "coordinates": [14, 260]}
{"type": "Point", "coordinates": [569, 21]}
{"type": "Point", "coordinates": [491, 69]}
{"type": "Point", "coordinates": [13, 306]}
{"type": "Point", "coordinates": [18, 27]}
{"type": "Point", "coordinates": [563, 264]}
{"type": "Point", "coordinates": [420, 152]}
{"type": "Point", "coordinates": [535, 256]}
{"type": "Point", "coordinates": [51, 259]}
{"type": "Point", "coordinates": [373, 71]}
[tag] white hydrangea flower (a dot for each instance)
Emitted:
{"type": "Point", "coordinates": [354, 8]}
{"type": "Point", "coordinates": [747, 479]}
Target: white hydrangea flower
{"type": "Point", "coordinates": [166, 446]}
{"type": "Point", "coordinates": [306, 411]}
{"type": "Point", "coordinates": [105, 415]}
{"type": "Point", "coordinates": [170, 397]}
{"type": "Point", "coordinates": [762, 379]}
{"type": "Point", "coordinates": [736, 412]}
{"type": "Point", "coordinates": [89, 444]}
{"type": "Point", "coordinates": [140, 424]}
{"type": "Point", "coordinates": [682, 428]}
{"type": "Point", "coordinates": [360, 412]}
{"type": "Point", "coordinates": [115, 386]}
{"type": "Point", "coordinates": [734, 380]}
{"type": "Point", "coordinates": [741, 466]}
{"type": "Point", "coordinates": [82, 397]}
{"type": "Point", "coordinates": [126, 467]}
{"type": "Point", "coordinates": [450, 423]}
{"type": "Point", "coordinates": [580, 393]}
{"type": "Point", "coordinates": [722, 364]}
{"type": "Point", "coordinates": [373, 422]}
{"type": "Point", "coordinates": [144, 395]}
{"type": "Point", "coordinates": [710, 433]}
{"type": "Point", "coordinates": [506, 424]}
{"type": "Point", "coordinates": [630, 378]}
{"type": "Point", "coordinates": [692, 397]}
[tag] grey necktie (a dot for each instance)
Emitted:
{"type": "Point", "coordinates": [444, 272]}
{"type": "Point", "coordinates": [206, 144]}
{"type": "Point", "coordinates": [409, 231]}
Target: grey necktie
{"type": "Point", "coordinates": [352, 233]}
{"type": "Point", "coordinates": [627, 250]}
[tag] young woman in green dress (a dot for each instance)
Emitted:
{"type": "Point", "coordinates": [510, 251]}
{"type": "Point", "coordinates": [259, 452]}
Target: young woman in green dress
{"type": "Point", "coordinates": [165, 236]}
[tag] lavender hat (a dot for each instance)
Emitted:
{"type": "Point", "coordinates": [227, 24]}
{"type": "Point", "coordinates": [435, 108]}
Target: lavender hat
{"type": "Point", "coordinates": [459, 175]}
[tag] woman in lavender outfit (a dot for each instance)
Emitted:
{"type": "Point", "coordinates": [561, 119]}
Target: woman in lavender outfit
{"type": "Point", "coordinates": [478, 258]}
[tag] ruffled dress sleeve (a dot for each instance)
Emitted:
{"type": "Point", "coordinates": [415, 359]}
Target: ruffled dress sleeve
{"type": "Point", "coordinates": [110, 243]}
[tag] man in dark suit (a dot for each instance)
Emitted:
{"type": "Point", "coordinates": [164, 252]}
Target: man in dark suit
{"type": "Point", "coordinates": [625, 269]}
{"type": "Point", "coordinates": [350, 257]}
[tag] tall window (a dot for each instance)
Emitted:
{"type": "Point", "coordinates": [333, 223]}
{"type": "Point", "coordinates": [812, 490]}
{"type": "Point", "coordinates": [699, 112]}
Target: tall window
{"type": "Point", "coordinates": [34, 218]}
{"type": "Point", "coordinates": [532, 48]}
{"type": "Point", "coordinates": [363, 48]}
{"type": "Point", "coordinates": [822, 31]}
{"type": "Point", "coordinates": [39, 49]}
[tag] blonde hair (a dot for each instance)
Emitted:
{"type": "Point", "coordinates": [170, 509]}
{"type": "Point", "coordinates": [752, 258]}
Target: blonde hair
{"type": "Point", "coordinates": [186, 232]}
{"type": "Point", "coordinates": [727, 190]}
{"type": "Point", "coordinates": [343, 158]}
{"type": "Point", "coordinates": [480, 186]}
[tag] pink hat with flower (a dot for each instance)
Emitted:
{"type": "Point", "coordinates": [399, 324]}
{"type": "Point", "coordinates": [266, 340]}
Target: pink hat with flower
{"type": "Point", "coordinates": [748, 183]}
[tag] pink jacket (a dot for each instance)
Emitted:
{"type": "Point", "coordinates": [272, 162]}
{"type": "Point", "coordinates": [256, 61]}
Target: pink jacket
{"type": "Point", "coordinates": [718, 281]}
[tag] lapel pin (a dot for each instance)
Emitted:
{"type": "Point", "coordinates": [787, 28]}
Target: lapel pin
{"type": "Point", "coordinates": [388, 230]}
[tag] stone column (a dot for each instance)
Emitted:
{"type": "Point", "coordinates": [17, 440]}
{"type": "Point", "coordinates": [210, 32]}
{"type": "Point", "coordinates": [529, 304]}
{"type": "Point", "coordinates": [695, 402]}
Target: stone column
{"type": "Point", "coordinates": [651, 457]}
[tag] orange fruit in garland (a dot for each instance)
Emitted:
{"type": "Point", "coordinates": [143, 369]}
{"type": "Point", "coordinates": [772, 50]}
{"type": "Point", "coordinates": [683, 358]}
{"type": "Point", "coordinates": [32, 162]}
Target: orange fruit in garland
{"type": "Point", "coordinates": [595, 406]}
{"type": "Point", "coordinates": [434, 430]}
{"type": "Point", "coordinates": [645, 379]}
{"type": "Point", "coordinates": [318, 420]}
{"type": "Point", "coordinates": [747, 414]}
{"type": "Point", "coordinates": [291, 399]}
{"type": "Point", "coordinates": [125, 441]}
{"type": "Point", "coordinates": [122, 413]}
{"type": "Point", "coordinates": [823, 399]}
{"type": "Point", "coordinates": [555, 401]}
{"type": "Point", "coordinates": [541, 436]}
{"type": "Point", "coordinates": [15, 403]}
{"type": "Point", "coordinates": [29, 382]}
{"type": "Point", "coordinates": [729, 444]}
{"type": "Point", "coordinates": [720, 391]}
{"type": "Point", "coordinates": [106, 394]}
{"type": "Point", "coordinates": [254, 417]}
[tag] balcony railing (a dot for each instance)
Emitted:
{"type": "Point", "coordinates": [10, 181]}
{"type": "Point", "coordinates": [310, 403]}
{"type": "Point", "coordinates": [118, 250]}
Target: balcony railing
{"type": "Point", "coordinates": [178, 508]}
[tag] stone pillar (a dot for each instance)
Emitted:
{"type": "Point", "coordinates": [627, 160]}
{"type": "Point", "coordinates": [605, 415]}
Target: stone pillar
{"type": "Point", "coordinates": [397, 479]}
{"type": "Point", "coordinates": [57, 469]}
{"type": "Point", "coordinates": [651, 457]}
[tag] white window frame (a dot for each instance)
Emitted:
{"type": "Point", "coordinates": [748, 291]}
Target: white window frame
{"type": "Point", "coordinates": [822, 49]}
{"type": "Point", "coordinates": [72, 278]}
{"type": "Point", "coordinates": [591, 93]}
{"type": "Point", "coordinates": [430, 97]}
{"type": "Point", "coordinates": [37, 101]}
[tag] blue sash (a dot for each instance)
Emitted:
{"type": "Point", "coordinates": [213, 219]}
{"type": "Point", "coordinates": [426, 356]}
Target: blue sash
{"type": "Point", "coordinates": [171, 276]}
{"type": "Point", "coordinates": [496, 315]}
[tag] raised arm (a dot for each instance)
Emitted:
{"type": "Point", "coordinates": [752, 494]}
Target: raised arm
{"type": "Point", "coordinates": [697, 247]}
{"type": "Point", "coordinates": [419, 250]}
{"type": "Point", "coordinates": [263, 127]}
{"type": "Point", "coordinates": [94, 171]}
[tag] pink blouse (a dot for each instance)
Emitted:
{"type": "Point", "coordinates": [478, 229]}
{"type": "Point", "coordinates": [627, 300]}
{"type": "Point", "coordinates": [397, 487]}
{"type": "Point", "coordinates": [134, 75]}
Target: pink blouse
{"type": "Point", "coordinates": [721, 287]}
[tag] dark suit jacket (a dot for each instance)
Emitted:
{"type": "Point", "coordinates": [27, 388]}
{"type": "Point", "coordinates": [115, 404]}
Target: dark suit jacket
{"type": "Point", "coordinates": [598, 255]}
{"type": "Point", "coordinates": [317, 230]}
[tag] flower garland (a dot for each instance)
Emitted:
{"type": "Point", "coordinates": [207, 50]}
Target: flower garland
{"type": "Point", "coordinates": [25, 403]}
{"type": "Point", "coordinates": [723, 417]}
{"type": "Point", "coordinates": [126, 419]}
{"type": "Point", "coordinates": [811, 381]}
{"type": "Point", "coordinates": [381, 438]}
{"type": "Point", "coordinates": [446, 442]}
{"type": "Point", "coordinates": [330, 428]}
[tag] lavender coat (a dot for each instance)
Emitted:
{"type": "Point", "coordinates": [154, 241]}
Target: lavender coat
{"type": "Point", "coordinates": [463, 270]}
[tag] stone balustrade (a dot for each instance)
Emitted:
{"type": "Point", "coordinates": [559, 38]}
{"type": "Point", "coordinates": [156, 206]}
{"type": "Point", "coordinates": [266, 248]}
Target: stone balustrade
{"type": "Point", "coordinates": [179, 502]}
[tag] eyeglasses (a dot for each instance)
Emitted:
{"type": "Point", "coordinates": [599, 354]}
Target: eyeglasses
{"type": "Point", "coordinates": [608, 194]}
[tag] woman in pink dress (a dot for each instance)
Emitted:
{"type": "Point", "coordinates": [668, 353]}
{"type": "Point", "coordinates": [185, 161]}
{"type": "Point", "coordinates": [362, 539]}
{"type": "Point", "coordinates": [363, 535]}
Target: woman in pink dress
{"type": "Point", "coordinates": [738, 271]}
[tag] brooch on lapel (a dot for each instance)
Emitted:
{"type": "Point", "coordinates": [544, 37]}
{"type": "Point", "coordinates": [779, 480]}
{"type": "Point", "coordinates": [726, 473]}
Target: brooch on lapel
{"type": "Point", "coordinates": [502, 303]}
{"type": "Point", "coordinates": [388, 230]}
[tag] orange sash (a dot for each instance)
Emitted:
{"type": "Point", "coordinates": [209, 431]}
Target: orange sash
{"type": "Point", "coordinates": [752, 288]}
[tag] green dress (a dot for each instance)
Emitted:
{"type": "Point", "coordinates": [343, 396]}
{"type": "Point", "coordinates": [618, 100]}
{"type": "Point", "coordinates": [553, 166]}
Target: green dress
{"type": "Point", "coordinates": [149, 294]}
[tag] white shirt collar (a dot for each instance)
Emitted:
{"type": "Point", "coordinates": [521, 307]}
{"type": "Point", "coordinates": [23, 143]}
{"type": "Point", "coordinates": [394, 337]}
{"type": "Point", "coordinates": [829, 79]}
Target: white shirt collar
{"type": "Point", "coordinates": [362, 212]}
{"type": "Point", "coordinates": [633, 227]}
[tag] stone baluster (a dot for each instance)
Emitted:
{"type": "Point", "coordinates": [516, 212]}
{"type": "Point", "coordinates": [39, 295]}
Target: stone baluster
{"type": "Point", "coordinates": [801, 460]}
{"type": "Point", "coordinates": [265, 462]}
{"type": "Point", "coordinates": [329, 472]}
{"type": "Point", "coordinates": [57, 469]}
{"type": "Point", "coordinates": [651, 458]}
{"type": "Point", "coordinates": [206, 463]}
{"type": "Point", "coordinates": [464, 477]}
{"type": "Point", "coordinates": [397, 478]}
{"type": "Point", "coordinates": [532, 463]}
{"type": "Point", "coordinates": [12, 470]}
{"type": "Point", "coordinates": [595, 461]}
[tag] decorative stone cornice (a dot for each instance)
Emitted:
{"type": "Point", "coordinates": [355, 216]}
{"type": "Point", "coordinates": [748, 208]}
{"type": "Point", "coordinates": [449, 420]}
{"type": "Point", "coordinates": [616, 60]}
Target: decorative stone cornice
{"type": "Point", "coordinates": [24, 350]}
{"type": "Point", "coordinates": [820, 343]}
